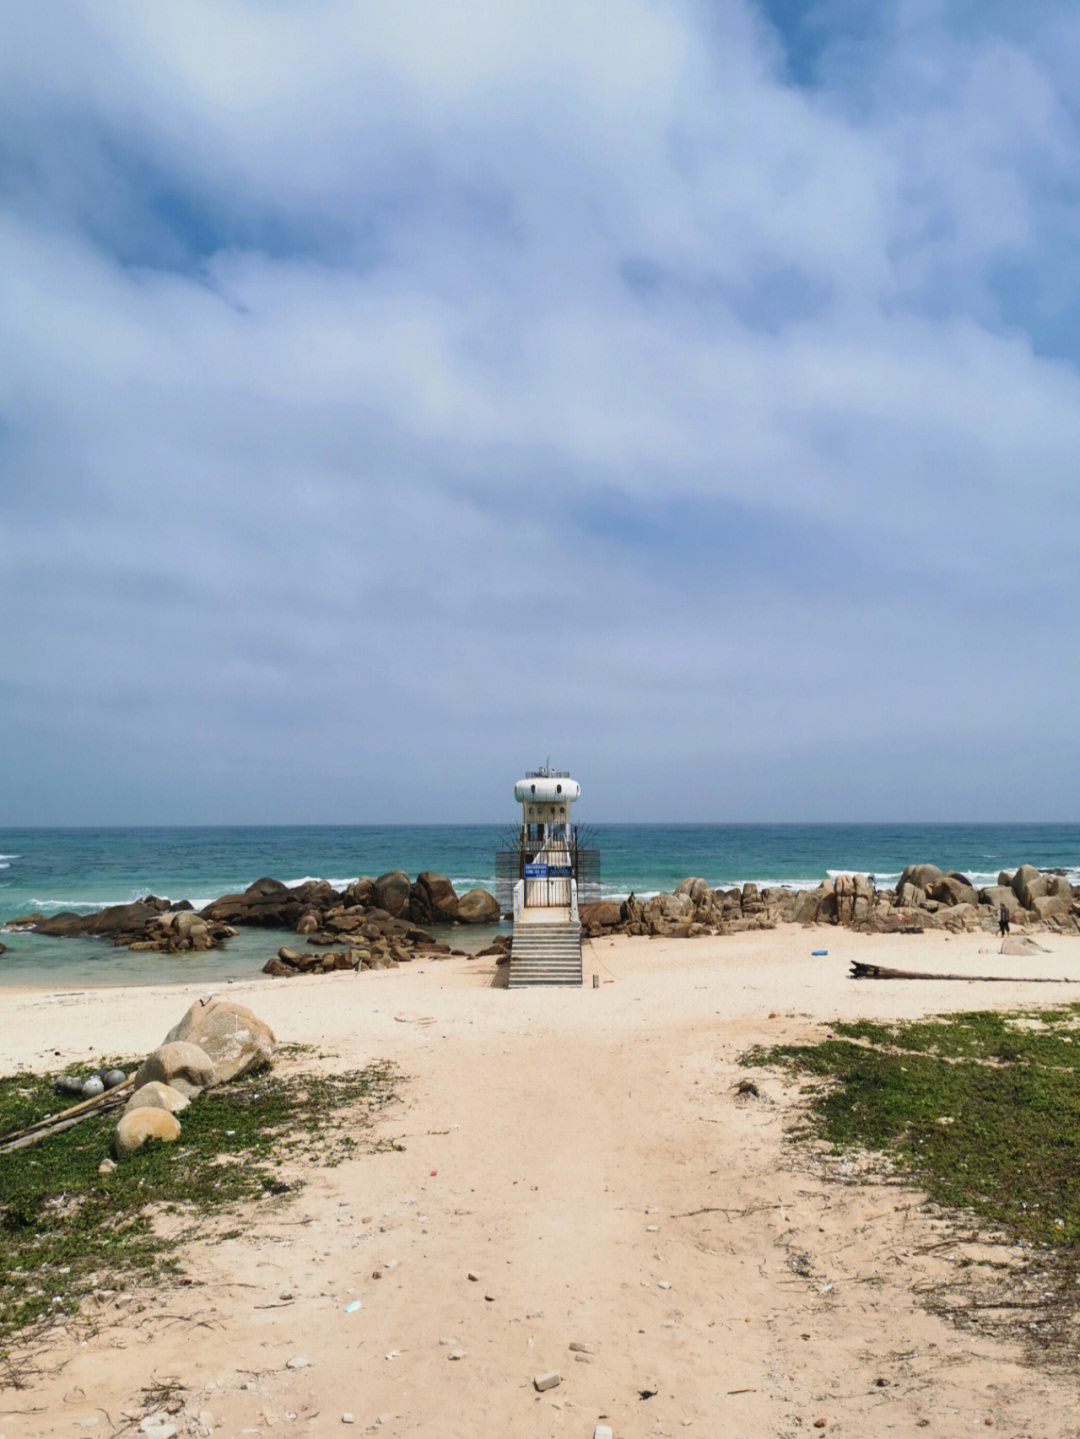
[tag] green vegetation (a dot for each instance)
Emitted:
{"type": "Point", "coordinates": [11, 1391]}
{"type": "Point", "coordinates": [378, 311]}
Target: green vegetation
{"type": "Point", "coordinates": [982, 1110]}
{"type": "Point", "coordinates": [65, 1228]}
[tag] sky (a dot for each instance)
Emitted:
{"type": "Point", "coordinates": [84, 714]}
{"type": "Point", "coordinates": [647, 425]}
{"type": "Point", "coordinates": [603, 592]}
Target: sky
{"type": "Point", "coordinates": [395, 396]}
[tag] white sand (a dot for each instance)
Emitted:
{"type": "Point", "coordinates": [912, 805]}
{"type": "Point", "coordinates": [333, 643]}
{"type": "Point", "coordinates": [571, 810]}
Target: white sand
{"type": "Point", "coordinates": [546, 1133]}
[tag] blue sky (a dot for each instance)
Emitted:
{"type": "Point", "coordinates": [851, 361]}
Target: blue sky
{"type": "Point", "coordinates": [395, 395]}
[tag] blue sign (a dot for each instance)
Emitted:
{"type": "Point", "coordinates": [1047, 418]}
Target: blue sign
{"type": "Point", "coordinates": [560, 871]}
{"type": "Point", "coordinates": [536, 871]}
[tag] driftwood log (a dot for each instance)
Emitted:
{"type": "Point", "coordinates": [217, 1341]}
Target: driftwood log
{"type": "Point", "coordinates": [861, 970]}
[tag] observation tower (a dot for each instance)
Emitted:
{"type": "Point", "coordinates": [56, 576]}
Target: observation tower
{"type": "Point", "coordinates": [542, 877]}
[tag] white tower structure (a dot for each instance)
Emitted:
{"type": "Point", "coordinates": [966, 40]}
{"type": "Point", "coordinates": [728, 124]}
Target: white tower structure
{"type": "Point", "coordinates": [546, 945]}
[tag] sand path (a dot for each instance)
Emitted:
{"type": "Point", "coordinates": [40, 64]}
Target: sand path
{"type": "Point", "coordinates": [584, 1155]}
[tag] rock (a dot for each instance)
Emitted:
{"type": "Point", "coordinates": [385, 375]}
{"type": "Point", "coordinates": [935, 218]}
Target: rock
{"type": "Point", "coordinates": [113, 1077]}
{"type": "Point", "coordinates": [287, 955]}
{"type": "Point", "coordinates": [159, 1426]}
{"type": "Point", "coordinates": [393, 891]}
{"type": "Point", "coordinates": [141, 1125]}
{"type": "Point", "coordinates": [361, 892]}
{"type": "Point", "coordinates": [93, 1086]}
{"type": "Point", "coordinates": [156, 1095]}
{"type": "Point", "coordinates": [1028, 885]}
{"type": "Point", "coordinates": [578, 1346]}
{"type": "Point", "coordinates": [1050, 906]}
{"type": "Point", "coordinates": [958, 917]}
{"type": "Point", "coordinates": [547, 1380]}
{"type": "Point", "coordinates": [184, 1066]}
{"type": "Point", "coordinates": [106, 1166]}
{"type": "Point", "coordinates": [952, 889]}
{"type": "Point", "coordinates": [277, 968]}
{"type": "Point", "coordinates": [308, 923]}
{"type": "Point", "coordinates": [1058, 885]}
{"type": "Point", "coordinates": [478, 907]}
{"type": "Point", "coordinates": [919, 875]}
{"type": "Point", "coordinates": [600, 914]}
{"type": "Point", "coordinates": [433, 899]}
{"type": "Point", "coordinates": [69, 1084]}
{"type": "Point", "coordinates": [235, 1040]}
{"type": "Point", "coordinates": [299, 1361]}
{"type": "Point", "coordinates": [695, 889]}
{"type": "Point", "coordinates": [998, 895]}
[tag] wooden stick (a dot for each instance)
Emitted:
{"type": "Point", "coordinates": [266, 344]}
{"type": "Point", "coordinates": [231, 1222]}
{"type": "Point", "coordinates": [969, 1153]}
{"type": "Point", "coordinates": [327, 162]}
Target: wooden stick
{"type": "Point", "coordinates": [75, 1113]}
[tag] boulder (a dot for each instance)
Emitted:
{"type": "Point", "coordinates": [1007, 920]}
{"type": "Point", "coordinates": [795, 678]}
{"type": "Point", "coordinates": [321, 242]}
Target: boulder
{"type": "Point", "coordinates": [952, 889]}
{"type": "Point", "coordinates": [958, 917]}
{"type": "Point", "coordinates": [434, 898]}
{"type": "Point", "coordinates": [233, 1038]}
{"type": "Point", "coordinates": [278, 968]}
{"type": "Point", "coordinates": [919, 875]}
{"type": "Point", "coordinates": [139, 1125]}
{"type": "Point", "coordinates": [998, 895]}
{"type": "Point", "coordinates": [1058, 884]}
{"type": "Point", "coordinates": [1028, 885]}
{"type": "Point", "coordinates": [696, 889]}
{"type": "Point", "coordinates": [184, 1066]}
{"type": "Point", "coordinates": [600, 914]}
{"type": "Point", "coordinates": [156, 1095]}
{"type": "Point", "coordinates": [308, 923]}
{"type": "Point", "coordinates": [478, 907]}
{"type": "Point", "coordinates": [806, 907]}
{"type": "Point", "coordinates": [361, 891]}
{"type": "Point", "coordinates": [1051, 906]}
{"type": "Point", "coordinates": [393, 891]}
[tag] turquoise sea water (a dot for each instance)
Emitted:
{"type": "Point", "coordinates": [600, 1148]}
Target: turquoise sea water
{"type": "Point", "coordinates": [80, 869]}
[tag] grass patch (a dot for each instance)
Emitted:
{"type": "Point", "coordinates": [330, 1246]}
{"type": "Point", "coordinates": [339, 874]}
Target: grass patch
{"type": "Point", "coordinates": [66, 1229]}
{"type": "Point", "coordinates": [982, 1112]}
{"type": "Point", "coordinates": [981, 1109]}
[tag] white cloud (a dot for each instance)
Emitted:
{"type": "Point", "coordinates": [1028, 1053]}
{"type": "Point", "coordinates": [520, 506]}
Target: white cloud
{"type": "Point", "coordinates": [346, 346]}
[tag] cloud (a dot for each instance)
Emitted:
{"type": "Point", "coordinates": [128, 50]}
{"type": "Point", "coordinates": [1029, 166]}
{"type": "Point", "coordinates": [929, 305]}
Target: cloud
{"type": "Point", "coordinates": [395, 392]}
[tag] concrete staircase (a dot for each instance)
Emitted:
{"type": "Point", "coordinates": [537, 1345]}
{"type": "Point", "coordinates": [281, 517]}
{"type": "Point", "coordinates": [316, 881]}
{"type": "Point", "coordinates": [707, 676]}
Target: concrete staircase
{"type": "Point", "coordinates": [545, 954]}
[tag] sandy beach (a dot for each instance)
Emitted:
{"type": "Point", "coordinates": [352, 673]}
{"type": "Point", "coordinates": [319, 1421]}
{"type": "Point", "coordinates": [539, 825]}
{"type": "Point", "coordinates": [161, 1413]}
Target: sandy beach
{"type": "Point", "coordinates": [582, 1153]}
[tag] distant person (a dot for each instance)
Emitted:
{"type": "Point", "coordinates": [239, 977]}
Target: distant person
{"type": "Point", "coordinates": [1003, 920]}
{"type": "Point", "coordinates": [626, 909]}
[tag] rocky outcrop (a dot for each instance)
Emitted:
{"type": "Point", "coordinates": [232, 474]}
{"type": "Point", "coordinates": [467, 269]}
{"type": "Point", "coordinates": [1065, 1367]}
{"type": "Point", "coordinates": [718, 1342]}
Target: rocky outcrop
{"type": "Point", "coordinates": [925, 897]}
{"type": "Point", "coordinates": [390, 907]}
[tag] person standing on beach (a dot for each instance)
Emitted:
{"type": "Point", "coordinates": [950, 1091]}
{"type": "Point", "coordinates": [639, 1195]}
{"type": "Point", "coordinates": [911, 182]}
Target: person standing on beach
{"type": "Point", "coordinates": [1003, 920]}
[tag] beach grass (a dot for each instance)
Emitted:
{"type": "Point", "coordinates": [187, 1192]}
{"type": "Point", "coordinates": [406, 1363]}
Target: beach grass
{"type": "Point", "coordinates": [981, 1110]}
{"type": "Point", "coordinates": [67, 1229]}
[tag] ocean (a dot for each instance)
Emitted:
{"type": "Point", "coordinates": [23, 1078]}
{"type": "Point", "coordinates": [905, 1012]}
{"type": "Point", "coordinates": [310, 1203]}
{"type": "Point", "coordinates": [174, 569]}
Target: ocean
{"type": "Point", "coordinates": [50, 870]}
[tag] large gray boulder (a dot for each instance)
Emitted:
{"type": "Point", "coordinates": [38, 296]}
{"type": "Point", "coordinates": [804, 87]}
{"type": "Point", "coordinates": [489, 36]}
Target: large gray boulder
{"type": "Point", "coordinates": [434, 899]}
{"type": "Point", "coordinates": [1028, 885]}
{"type": "Point", "coordinates": [998, 895]}
{"type": "Point", "coordinates": [952, 889]}
{"type": "Point", "coordinates": [235, 1041]}
{"type": "Point", "coordinates": [478, 907]}
{"type": "Point", "coordinates": [392, 892]}
{"type": "Point", "coordinates": [184, 1066]}
{"type": "Point", "coordinates": [920, 875]}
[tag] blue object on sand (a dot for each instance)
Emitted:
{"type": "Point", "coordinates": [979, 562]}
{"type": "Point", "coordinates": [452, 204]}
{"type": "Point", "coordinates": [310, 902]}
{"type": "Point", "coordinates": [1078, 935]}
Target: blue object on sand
{"type": "Point", "coordinates": [816, 952]}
